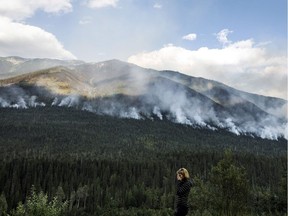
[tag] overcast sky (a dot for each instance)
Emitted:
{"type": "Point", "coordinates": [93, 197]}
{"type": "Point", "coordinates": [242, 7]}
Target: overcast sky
{"type": "Point", "coordinates": [240, 43]}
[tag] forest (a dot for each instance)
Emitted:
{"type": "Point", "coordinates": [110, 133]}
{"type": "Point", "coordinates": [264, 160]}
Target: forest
{"type": "Point", "coordinates": [62, 161]}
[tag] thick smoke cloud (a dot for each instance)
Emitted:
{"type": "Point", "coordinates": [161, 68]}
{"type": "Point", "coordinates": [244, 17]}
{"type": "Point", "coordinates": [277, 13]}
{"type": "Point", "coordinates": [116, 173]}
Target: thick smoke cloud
{"type": "Point", "coordinates": [138, 93]}
{"type": "Point", "coordinates": [164, 101]}
{"type": "Point", "coordinates": [16, 97]}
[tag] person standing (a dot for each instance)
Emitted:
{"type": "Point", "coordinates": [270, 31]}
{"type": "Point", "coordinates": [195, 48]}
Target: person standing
{"type": "Point", "coordinates": [183, 186]}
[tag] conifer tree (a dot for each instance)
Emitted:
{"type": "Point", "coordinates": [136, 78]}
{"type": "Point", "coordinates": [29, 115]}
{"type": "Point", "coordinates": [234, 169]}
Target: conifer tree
{"type": "Point", "coordinates": [3, 205]}
{"type": "Point", "coordinates": [230, 189]}
{"type": "Point", "coordinates": [37, 204]}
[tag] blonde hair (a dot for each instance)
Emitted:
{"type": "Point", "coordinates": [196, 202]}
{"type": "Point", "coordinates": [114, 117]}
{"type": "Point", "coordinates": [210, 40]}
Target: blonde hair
{"type": "Point", "coordinates": [184, 172]}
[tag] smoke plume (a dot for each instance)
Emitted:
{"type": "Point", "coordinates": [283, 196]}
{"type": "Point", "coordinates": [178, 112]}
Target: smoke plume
{"type": "Point", "coordinates": [127, 91]}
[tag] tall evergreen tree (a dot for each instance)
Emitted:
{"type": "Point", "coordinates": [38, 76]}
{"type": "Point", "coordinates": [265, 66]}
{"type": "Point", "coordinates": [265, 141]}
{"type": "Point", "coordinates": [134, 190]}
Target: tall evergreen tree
{"type": "Point", "coordinates": [3, 205]}
{"type": "Point", "coordinates": [37, 204]}
{"type": "Point", "coordinates": [230, 186]}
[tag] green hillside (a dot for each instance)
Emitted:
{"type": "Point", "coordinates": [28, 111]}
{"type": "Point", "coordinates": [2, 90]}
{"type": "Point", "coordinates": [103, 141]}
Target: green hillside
{"type": "Point", "coordinates": [109, 166]}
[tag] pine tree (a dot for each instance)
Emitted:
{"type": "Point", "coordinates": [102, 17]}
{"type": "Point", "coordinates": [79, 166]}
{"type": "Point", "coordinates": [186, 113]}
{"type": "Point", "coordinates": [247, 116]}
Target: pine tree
{"type": "Point", "coordinates": [230, 186]}
{"type": "Point", "coordinates": [37, 204]}
{"type": "Point", "coordinates": [60, 193]}
{"type": "Point", "coordinates": [3, 205]}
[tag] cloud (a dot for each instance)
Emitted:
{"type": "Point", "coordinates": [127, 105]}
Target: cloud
{"type": "Point", "coordinates": [20, 39]}
{"type": "Point", "coordinates": [157, 6]}
{"type": "Point", "coordinates": [85, 20]}
{"type": "Point", "coordinates": [29, 41]}
{"type": "Point", "coordinates": [102, 3]}
{"type": "Point", "coordinates": [242, 65]}
{"type": "Point", "coordinates": [190, 37]}
{"type": "Point", "coordinates": [222, 36]}
{"type": "Point", "coordinates": [20, 9]}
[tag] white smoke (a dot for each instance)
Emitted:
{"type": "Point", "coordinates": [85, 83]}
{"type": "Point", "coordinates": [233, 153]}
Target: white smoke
{"type": "Point", "coordinates": [177, 108]}
{"type": "Point", "coordinates": [132, 112]}
{"type": "Point", "coordinates": [69, 101]}
{"type": "Point", "coordinates": [4, 103]}
{"type": "Point", "coordinates": [164, 99]}
{"type": "Point", "coordinates": [286, 131]}
{"type": "Point", "coordinates": [272, 132]}
{"type": "Point", "coordinates": [33, 103]}
{"type": "Point", "coordinates": [157, 112]}
{"type": "Point", "coordinates": [267, 128]}
{"type": "Point", "coordinates": [232, 127]}
{"type": "Point", "coordinates": [55, 102]}
{"type": "Point", "coordinates": [280, 111]}
{"type": "Point", "coordinates": [20, 104]}
{"type": "Point", "coordinates": [180, 116]}
{"type": "Point", "coordinates": [87, 107]}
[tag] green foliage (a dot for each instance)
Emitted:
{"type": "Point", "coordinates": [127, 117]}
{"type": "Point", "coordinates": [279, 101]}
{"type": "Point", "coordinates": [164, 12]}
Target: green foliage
{"type": "Point", "coordinates": [230, 189]}
{"type": "Point", "coordinates": [226, 191]}
{"type": "Point", "coordinates": [230, 186]}
{"type": "Point", "coordinates": [3, 205]}
{"type": "Point", "coordinates": [108, 166]}
{"type": "Point", "coordinates": [200, 197]}
{"type": "Point", "coordinates": [55, 132]}
{"type": "Point", "coordinates": [267, 202]}
{"type": "Point", "coordinates": [38, 205]}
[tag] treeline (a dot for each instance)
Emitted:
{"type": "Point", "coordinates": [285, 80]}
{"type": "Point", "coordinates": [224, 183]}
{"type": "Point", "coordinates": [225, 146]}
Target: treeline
{"type": "Point", "coordinates": [106, 166]}
{"type": "Point", "coordinates": [66, 130]}
{"type": "Point", "coordinates": [92, 187]}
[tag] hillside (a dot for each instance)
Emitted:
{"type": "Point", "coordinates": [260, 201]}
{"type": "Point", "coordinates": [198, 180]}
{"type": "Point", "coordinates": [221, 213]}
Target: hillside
{"type": "Point", "coordinates": [125, 90]}
{"type": "Point", "coordinates": [108, 137]}
{"type": "Point", "coordinates": [71, 131]}
{"type": "Point", "coordinates": [125, 166]}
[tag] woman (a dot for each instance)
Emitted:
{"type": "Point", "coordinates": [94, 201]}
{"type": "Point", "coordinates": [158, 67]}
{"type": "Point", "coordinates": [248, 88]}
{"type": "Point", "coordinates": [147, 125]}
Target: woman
{"type": "Point", "coordinates": [182, 191]}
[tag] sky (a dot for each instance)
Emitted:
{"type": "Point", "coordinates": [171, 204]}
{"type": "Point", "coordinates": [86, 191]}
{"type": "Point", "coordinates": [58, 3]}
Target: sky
{"type": "Point", "coordinates": [239, 43]}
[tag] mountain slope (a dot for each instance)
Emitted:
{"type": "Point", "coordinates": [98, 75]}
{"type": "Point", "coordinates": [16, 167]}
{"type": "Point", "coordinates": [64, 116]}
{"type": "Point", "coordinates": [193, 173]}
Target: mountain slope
{"type": "Point", "coordinates": [125, 90]}
{"type": "Point", "coordinates": [214, 90]}
{"type": "Point", "coordinates": [13, 65]}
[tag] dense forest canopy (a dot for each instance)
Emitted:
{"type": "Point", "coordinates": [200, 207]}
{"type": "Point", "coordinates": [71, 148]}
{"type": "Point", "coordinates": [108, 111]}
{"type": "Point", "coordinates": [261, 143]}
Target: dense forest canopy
{"type": "Point", "coordinates": [102, 165]}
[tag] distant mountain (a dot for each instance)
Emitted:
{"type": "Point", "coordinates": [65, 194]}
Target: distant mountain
{"type": "Point", "coordinates": [125, 90]}
{"type": "Point", "coordinates": [12, 66]}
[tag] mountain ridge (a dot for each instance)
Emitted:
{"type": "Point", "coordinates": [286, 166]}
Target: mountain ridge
{"type": "Point", "coordinates": [181, 98]}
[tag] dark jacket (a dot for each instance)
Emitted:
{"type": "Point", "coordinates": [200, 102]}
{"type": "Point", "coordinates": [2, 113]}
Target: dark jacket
{"type": "Point", "coordinates": [182, 191]}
